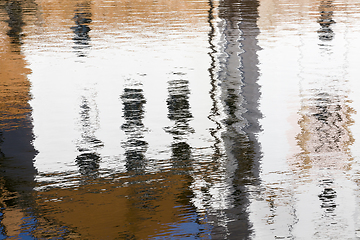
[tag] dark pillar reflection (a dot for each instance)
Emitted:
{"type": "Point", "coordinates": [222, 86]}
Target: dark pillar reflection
{"type": "Point", "coordinates": [88, 159]}
{"type": "Point", "coordinates": [236, 80]}
{"type": "Point", "coordinates": [135, 146]}
{"type": "Point", "coordinates": [325, 20]}
{"type": "Point", "coordinates": [179, 113]}
{"type": "Point", "coordinates": [81, 29]}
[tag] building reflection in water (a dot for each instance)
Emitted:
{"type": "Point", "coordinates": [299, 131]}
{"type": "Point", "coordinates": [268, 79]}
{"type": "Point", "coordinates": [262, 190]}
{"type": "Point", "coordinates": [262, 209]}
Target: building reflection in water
{"type": "Point", "coordinates": [16, 135]}
{"type": "Point", "coordinates": [235, 94]}
{"type": "Point", "coordinates": [81, 29]}
{"type": "Point", "coordinates": [133, 112]}
{"type": "Point", "coordinates": [325, 137]}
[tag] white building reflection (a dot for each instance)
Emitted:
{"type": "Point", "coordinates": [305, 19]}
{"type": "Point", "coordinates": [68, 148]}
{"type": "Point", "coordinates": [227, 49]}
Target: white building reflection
{"type": "Point", "coordinates": [304, 172]}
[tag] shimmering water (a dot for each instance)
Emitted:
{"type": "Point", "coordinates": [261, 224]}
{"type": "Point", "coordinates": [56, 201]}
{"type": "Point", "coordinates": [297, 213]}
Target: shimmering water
{"type": "Point", "coordinates": [164, 119]}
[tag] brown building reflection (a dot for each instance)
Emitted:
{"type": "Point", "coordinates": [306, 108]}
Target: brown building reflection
{"type": "Point", "coordinates": [132, 205]}
{"type": "Point", "coordinates": [135, 204]}
{"type": "Point", "coordinates": [16, 150]}
{"type": "Point", "coordinates": [234, 74]}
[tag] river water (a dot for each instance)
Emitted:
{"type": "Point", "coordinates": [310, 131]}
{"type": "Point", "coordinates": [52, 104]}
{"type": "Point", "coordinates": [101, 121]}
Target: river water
{"type": "Point", "coordinates": [179, 119]}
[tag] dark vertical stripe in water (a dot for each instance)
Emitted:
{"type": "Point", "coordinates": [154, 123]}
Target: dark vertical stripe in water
{"type": "Point", "coordinates": [16, 133]}
{"type": "Point", "coordinates": [88, 159]}
{"type": "Point", "coordinates": [179, 112]}
{"type": "Point", "coordinates": [240, 93]}
{"type": "Point", "coordinates": [325, 20]}
{"type": "Point", "coordinates": [14, 10]}
{"type": "Point", "coordinates": [135, 146]}
{"type": "Point", "coordinates": [81, 29]}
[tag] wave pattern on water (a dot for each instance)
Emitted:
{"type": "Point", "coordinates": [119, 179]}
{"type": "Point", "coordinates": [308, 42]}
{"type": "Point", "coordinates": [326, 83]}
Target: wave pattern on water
{"type": "Point", "coordinates": [226, 119]}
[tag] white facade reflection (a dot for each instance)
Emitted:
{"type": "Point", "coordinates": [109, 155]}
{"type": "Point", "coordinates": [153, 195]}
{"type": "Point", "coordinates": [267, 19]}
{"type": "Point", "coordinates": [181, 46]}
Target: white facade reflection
{"type": "Point", "coordinates": [309, 116]}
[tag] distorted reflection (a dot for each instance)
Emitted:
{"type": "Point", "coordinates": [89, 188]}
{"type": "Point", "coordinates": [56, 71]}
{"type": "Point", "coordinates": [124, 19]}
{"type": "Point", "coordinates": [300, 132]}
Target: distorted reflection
{"type": "Point", "coordinates": [88, 159]}
{"type": "Point", "coordinates": [81, 29]}
{"type": "Point", "coordinates": [154, 131]}
{"type": "Point", "coordinates": [179, 112]}
{"type": "Point", "coordinates": [326, 20]}
{"type": "Point", "coordinates": [325, 137]}
{"type": "Point", "coordinates": [328, 196]}
{"type": "Point", "coordinates": [16, 135]}
{"type": "Point", "coordinates": [14, 10]}
{"type": "Point", "coordinates": [234, 79]}
{"type": "Point", "coordinates": [135, 147]}
{"type": "Point", "coordinates": [179, 108]}
{"type": "Point", "coordinates": [14, 90]}
{"type": "Point", "coordinates": [325, 129]}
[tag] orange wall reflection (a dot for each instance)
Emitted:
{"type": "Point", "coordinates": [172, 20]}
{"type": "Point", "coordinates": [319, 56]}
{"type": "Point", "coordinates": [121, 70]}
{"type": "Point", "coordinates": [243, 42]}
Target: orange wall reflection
{"type": "Point", "coordinates": [14, 86]}
{"type": "Point", "coordinates": [147, 206]}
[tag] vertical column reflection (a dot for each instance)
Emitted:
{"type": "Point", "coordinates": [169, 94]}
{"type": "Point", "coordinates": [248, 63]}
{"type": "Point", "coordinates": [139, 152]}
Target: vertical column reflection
{"type": "Point", "coordinates": [234, 74]}
{"type": "Point", "coordinates": [179, 112]}
{"type": "Point", "coordinates": [88, 159]}
{"type": "Point", "coordinates": [135, 147]}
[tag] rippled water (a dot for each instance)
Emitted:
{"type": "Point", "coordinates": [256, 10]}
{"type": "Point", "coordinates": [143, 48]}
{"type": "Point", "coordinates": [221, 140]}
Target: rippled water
{"type": "Point", "coordinates": [179, 119]}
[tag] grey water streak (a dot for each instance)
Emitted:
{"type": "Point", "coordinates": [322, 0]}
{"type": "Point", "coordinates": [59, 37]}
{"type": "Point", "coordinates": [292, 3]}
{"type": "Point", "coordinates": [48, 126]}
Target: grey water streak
{"type": "Point", "coordinates": [239, 93]}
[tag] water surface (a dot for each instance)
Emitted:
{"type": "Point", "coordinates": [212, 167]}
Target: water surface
{"type": "Point", "coordinates": [227, 119]}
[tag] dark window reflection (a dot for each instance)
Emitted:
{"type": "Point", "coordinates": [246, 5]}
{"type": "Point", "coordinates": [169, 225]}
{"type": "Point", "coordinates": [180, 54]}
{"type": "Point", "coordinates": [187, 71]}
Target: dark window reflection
{"type": "Point", "coordinates": [179, 109]}
{"type": "Point", "coordinates": [325, 20]}
{"type": "Point", "coordinates": [135, 146]}
{"type": "Point", "coordinates": [81, 29]}
{"type": "Point", "coordinates": [14, 10]}
{"type": "Point", "coordinates": [327, 196]}
{"type": "Point", "coordinates": [88, 159]}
